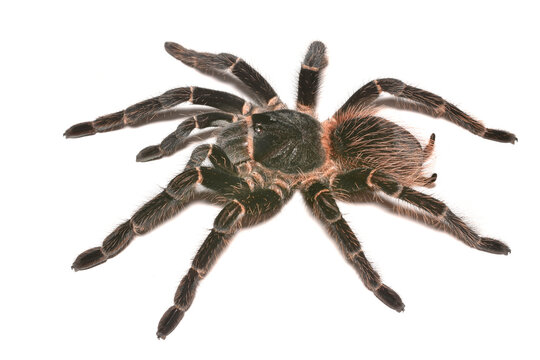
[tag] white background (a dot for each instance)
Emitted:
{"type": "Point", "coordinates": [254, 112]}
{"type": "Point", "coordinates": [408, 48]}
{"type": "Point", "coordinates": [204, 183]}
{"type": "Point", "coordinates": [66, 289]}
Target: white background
{"type": "Point", "coordinates": [282, 289]}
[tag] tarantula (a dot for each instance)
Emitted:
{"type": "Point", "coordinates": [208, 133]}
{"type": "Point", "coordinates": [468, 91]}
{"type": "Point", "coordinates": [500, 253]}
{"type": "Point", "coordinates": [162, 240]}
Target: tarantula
{"type": "Point", "coordinates": [264, 152]}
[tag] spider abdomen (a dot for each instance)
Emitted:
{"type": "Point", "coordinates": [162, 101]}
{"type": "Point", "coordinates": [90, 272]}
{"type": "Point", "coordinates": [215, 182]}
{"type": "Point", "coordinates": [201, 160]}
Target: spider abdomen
{"type": "Point", "coordinates": [380, 144]}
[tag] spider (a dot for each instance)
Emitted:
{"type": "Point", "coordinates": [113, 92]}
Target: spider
{"type": "Point", "coordinates": [264, 152]}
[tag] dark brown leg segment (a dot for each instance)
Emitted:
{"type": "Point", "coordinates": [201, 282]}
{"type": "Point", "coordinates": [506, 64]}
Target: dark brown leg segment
{"type": "Point", "coordinates": [207, 62]}
{"type": "Point", "coordinates": [212, 247]}
{"type": "Point", "coordinates": [150, 215]}
{"type": "Point", "coordinates": [145, 110]}
{"type": "Point", "coordinates": [310, 76]}
{"type": "Point", "coordinates": [165, 205]}
{"type": "Point", "coordinates": [320, 199]}
{"type": "Point", "coordinates": [437, 106]}
{"type": "Point", "coordinates": [225, 225]}
{"type": "Point", "coordinates": [215, 154]}
{"type": "Point", "coordinates": [364, 178]}
{"type": "Point", "coordinates": [176, 139]}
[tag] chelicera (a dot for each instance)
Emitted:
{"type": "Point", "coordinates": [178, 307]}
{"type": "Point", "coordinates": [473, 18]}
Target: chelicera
{"type": "Point", "coordinates": [264, 152]}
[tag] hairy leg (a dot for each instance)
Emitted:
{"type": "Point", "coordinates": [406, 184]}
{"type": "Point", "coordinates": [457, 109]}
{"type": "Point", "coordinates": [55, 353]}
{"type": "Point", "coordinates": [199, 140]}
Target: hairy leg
{"type": "Point", "coordinates": [366, 178]}
{"type": "Point", "coordinates": [225, 225]}
{"type": "Point", "coordinates": [164, 206]}
{"type": "Point", "coordinates": [215, 154]}
{"type": "Point", "coordinates": [209, 63]}
{"type": "Point", "coordinates": [309, 78]}
{"type": "Point", "coordinates": [320, 199]}
{"type": "Point", "coordinates": [434, 103]}
{"type": "Point", "coordinates": [145, 110]}
{"type": "Point", "coordinates": [176, 139]}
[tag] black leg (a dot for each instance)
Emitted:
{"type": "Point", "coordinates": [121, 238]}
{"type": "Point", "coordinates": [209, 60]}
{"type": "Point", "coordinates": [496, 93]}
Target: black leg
{"type": "Point", "coordinates": [145, 110]}
{"type": "Point", "coordinates": [209, 63]}
{"type": "Point", "coordinates": [366, 178]}
{"type": "Point", "coordinates": [150, 215]}
{"type": "Point", "coordinates": [176, 139]}
{"type": "Point", "coordinates": [437, 106]}
{"type": "Point", "coordinates": [320, 199]}
{"type": "Point", "coordinates": [309, 78]}
{"type": "Point", "coordinates": [215, 154]}
{"type": "Point", "coordinates": [169, 202]}
{"type": "Point", "coordinates": [251, 205]}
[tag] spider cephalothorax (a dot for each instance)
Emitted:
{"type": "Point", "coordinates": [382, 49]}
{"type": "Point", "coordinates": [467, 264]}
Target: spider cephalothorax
{"type": "Point", "coordinates": [287, 140]}
{"type": "Point", "coordinates": [264, 152]}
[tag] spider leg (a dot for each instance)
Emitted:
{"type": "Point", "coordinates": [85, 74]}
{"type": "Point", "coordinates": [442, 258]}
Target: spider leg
{"type": "Point", "coordinates": [252, 205]}
{"type": "Point", "coordinates": [173, 141]}
{"type": "Point", "coordinates": [215, 154]}
{"type": "Point", "coordinates": [207, 62]}
{"type": "Point", "coordinates": [165, 205]}
{"type": "Point", "coordinates": [145, 110]}
{"type": "Point", "coordinates": [309, 78]}
{"type": "Point", "coordinates": [161, 208]}
{"type": "Point", "coordinates": [320, 199]}
{"type": "Point", "coordinates": [366, 178]}
{"type": "Point", "coordinates": [434, 103]}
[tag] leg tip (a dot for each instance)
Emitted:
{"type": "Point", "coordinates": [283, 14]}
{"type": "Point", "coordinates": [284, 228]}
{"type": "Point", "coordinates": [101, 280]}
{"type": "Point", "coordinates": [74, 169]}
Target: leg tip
{"type": "Point", "coordinates": [88, 259]}
{"type": "Point", "coordinates": [390, 298]}
{"type": "Point", "coordinates": [174, 49]}
{"type": "Point", "coordinates": [500, 136]}
{"type": "Point", "coordinates": [316, 55]}
{"type": "Point", "coordinates": [80, 130]}
{"type": "Point", "coordinates": [169, 321]}
{"type": "Point", "coordinates": [170, 45]}
{"type": "Point", "coordinates": [493, 246]}
{"type": "Point", "coordinates": [149, 153]}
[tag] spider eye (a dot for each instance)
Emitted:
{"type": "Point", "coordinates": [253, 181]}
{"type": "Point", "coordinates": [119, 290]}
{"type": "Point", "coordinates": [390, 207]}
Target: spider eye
{"type": "Point", "coordinates": [258, 129]}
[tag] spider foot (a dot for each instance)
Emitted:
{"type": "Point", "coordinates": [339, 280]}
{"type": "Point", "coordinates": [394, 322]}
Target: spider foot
{"type": "Point", "coordinates": [493, 246]}
{"type": "Point", "coordinates": [389, 297]}
{"type": "Point", "coordinates": [88, 259]}
{"type": "Point", "coordinates": [169, 321]}
{"type": "Point", "coordinates": [79, 130]}
{"type": "Point", "coordinates": [153, 152]}
{"type": "Point", "coordinates": [500, 135]}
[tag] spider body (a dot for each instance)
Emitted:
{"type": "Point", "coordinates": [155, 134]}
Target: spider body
{"type": "Point", "coordinates": [265, 152]}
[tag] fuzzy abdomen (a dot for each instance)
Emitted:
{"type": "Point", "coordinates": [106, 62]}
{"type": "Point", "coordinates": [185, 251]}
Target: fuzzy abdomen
{"type": "Point", "coordinates": [379, 144]}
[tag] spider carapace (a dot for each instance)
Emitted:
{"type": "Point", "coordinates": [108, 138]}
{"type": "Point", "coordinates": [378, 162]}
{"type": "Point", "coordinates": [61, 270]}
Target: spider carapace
{"type": "Point", "coordinates": [264, 152]}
